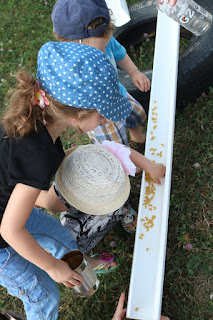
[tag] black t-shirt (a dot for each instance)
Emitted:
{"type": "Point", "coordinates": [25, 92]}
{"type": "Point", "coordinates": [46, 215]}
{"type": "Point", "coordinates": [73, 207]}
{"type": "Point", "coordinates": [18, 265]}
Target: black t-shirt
{"type": "Point", "coordinates": [32, 160]}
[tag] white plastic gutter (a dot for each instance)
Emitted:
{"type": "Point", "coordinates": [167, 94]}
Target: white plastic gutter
{"type": "Point", "coordinates": [147, 276]}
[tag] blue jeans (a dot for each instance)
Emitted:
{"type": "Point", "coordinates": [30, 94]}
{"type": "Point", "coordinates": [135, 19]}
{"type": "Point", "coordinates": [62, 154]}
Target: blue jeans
{"type": "Point", "coordinates": [24, 280]}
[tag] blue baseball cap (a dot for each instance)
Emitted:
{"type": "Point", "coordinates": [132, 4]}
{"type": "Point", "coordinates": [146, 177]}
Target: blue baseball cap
{"type": "Point", "coordinates": [71, 18]}
{"type": "Point", "coordinates": [81, 76]}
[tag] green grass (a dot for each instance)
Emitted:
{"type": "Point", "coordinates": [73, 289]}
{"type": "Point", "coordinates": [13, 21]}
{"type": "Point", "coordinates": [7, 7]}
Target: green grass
{"type": "Point", "coordinates": [24, 27]}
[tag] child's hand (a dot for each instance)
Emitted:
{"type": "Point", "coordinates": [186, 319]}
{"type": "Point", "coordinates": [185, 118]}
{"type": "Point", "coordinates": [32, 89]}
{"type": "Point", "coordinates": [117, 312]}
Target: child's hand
{"type": "Point", "coordinates": [140, 81]}
{"type": "Point", "coordinates": [62, 273]}
{"type": "Point", "coordinates": [120, 312]}
{"type": "Point", "coordinates": [157, 172]}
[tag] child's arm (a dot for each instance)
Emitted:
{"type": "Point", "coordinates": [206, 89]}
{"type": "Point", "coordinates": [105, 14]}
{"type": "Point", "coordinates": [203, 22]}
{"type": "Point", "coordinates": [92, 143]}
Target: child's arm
{"type": "Point", "coordinates": [50, 200]}
{"type": "Point", "coordinates": [13, 231]}
{"type": "Point", "coordinates": [139, 79]}
{"type": "Point", "coordinates": [155, 170]}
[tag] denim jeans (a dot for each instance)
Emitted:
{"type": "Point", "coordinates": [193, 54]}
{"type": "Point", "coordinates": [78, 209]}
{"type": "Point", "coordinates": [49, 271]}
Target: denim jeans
{"type": "Point", "coordinates": [26, 281]}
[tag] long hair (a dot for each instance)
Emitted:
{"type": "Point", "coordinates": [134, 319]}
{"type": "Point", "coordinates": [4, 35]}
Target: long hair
{"type": "Point", "coordinates": [22, 116]}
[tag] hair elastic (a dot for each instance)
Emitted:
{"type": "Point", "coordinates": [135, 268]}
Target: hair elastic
{"type": "Point", "coordinates": [40, 98]}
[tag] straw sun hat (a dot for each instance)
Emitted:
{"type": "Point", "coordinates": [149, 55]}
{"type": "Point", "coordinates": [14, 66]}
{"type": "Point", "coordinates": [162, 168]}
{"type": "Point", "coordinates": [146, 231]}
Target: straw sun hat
{"type": "Point", "coordinates": [92, 180]}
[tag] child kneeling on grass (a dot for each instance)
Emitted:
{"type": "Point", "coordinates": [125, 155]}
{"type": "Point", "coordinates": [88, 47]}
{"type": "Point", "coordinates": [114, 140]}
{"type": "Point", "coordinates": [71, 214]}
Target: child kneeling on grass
{"type": "Point", "coordinates": [31, 152]}
{"type": "Point", "coordinates": [93, 186]}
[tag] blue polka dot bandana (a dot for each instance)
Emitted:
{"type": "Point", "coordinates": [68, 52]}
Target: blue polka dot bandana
{"type": "Point", "coordinates": [81, 76]}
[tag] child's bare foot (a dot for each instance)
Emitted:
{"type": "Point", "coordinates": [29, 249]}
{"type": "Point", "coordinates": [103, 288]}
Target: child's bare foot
{"type": "Point", "coordinates": [129, 221]}
{"type": "Point", "coordinates": [164, 318]}
{"type": "Point", "coordinates": [104, 261]}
